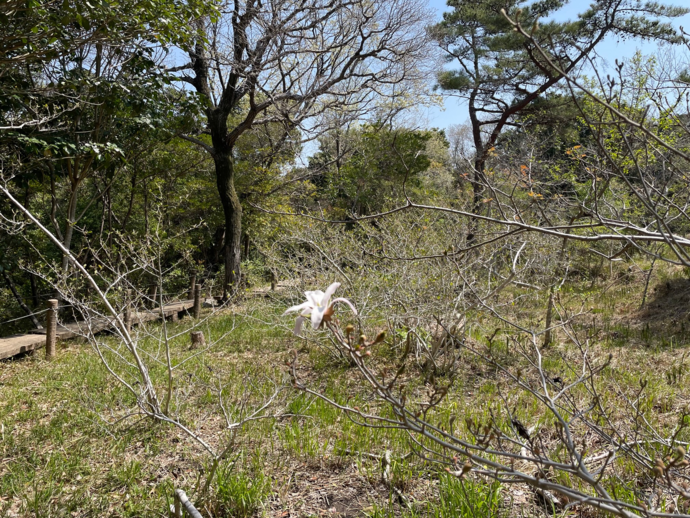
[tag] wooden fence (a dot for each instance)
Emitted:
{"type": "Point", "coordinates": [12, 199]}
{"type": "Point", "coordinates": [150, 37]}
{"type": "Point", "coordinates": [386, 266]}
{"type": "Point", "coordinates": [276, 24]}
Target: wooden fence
{"type": "Point", "coordinates": [53, 331]}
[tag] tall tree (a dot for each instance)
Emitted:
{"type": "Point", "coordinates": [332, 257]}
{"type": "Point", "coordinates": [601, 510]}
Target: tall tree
{"type": "Point", "coordinates": [362, 170]}
{"type": "Point", "coordinates": [98, 104]}
{"type": "Point", "coordinates": [288, 62]}
{"type": "Point", "coordinates": [76, 80]}
{"type": "Point", "coordinates": [45, 29]}
{"type": "Point", "coordinates": [498, 71]}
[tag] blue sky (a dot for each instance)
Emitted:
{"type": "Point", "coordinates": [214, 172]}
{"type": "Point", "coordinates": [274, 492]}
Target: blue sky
{"type": "Point", "coordinates": [610, 48]}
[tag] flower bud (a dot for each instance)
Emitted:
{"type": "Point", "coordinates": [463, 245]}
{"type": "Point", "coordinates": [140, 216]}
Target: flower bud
{"type": "Point", "coordinates": [466, 467]}
{"type": "Point", "coordinates": [349, 329]}
{"type": "Point", "coordinates": [380, 337]}
{"type": "Point", "coordinates": [328, 314]}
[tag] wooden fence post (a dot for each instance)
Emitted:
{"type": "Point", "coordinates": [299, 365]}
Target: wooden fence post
{"type": "Point", "coordinates": [128, 311]}
{"type": "Point", "coordinates": [197, 300]}
{"type": "Point", "coordinates": [51, 328]}
{"type": "Point", "coordinates": [192, 285]}
{"type": "Point", "coordinates": [198, 339]}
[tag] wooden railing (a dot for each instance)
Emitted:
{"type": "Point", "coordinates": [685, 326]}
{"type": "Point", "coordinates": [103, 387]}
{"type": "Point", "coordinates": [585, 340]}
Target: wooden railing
{"type": "Point", "coordinates": [46, 337]}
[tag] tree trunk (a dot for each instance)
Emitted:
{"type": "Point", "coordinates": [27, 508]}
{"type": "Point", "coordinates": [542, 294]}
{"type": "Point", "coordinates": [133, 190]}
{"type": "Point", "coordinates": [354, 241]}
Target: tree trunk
{"type": "Point", "coordinates": [20, 301]}
{"type": "Point", "coordinates": [34, 289]}
{"type": "Point", "coordinates": [477, 186]}
{"type": "Point", "coordinates": [213, 255]}
{"type": "Point", "coordinates": [549, 316]}
{"type": "Point", "coordinates": [232, 210]}
{"type": "Point", "coordinates": [479, 164]}
{"type": "Point", "coordinates": [69, 227]}
{"type": "Point", "coordinates": [246, 246]}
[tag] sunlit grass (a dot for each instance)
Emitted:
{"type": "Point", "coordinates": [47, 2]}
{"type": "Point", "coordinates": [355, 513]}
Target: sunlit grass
{"type": "Point", "coordinates": [66, 454]}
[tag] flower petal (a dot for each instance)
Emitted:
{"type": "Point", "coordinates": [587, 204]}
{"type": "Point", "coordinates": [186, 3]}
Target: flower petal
{"type": "Point", "coordinates": [329, 292]}
{"type": "Point", "coordinates": [317, 317]}
{"type": "Point", "coordinates": [315, 297]}
{"type": "Point", "coordinates": [303, 305]}
{"type": "Point", "coordinates": [298, 326]}
{"type": "Point", "coordinates": [340, 299]}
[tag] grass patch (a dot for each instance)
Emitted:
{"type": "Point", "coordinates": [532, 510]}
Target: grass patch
{"type": "Point", "coordinates": [66, 451]}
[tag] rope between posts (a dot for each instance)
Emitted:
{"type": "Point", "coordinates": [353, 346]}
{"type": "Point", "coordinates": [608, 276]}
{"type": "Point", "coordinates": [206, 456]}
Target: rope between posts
{"type": "Point", "coordinates": [140, 293]}
{"type": "Point", "coordinates": [52, 294]}
{"type": "Point", "coordinates": [35, 313]}
{"type": "Point", "coordinates": [22, 318]}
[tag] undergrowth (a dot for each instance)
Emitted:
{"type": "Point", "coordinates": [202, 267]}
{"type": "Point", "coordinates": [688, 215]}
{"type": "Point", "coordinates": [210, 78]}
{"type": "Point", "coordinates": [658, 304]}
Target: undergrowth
{"type": "Point", "coordinates": [68, 449]}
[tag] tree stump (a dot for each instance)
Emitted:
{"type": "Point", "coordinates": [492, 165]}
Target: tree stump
{"type": "Point", "coordinates": [198, 339]}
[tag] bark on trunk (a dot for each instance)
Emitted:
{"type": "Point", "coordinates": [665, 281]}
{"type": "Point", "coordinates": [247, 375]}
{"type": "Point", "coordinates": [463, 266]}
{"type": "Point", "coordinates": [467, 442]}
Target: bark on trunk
{"type": "Point", "coordinates": [477, 187]}
{"type": "Point", "coordinates": [246, 246]}
{"type": "Point", "coordinates": [479, 164]}
{"type": "Point", "coordinates": [232, 210]}
{"type": "Point", "coordinates": [34, 290]}
{"type": "Point", "coordinates": [549, 316]}
{"type": "Point", "coordinates": [69, 227]}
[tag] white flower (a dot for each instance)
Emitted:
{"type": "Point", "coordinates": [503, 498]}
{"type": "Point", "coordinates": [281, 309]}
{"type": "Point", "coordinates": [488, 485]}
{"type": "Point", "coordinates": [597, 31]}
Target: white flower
{"type": "Point", "coordinates": [317, 305]}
